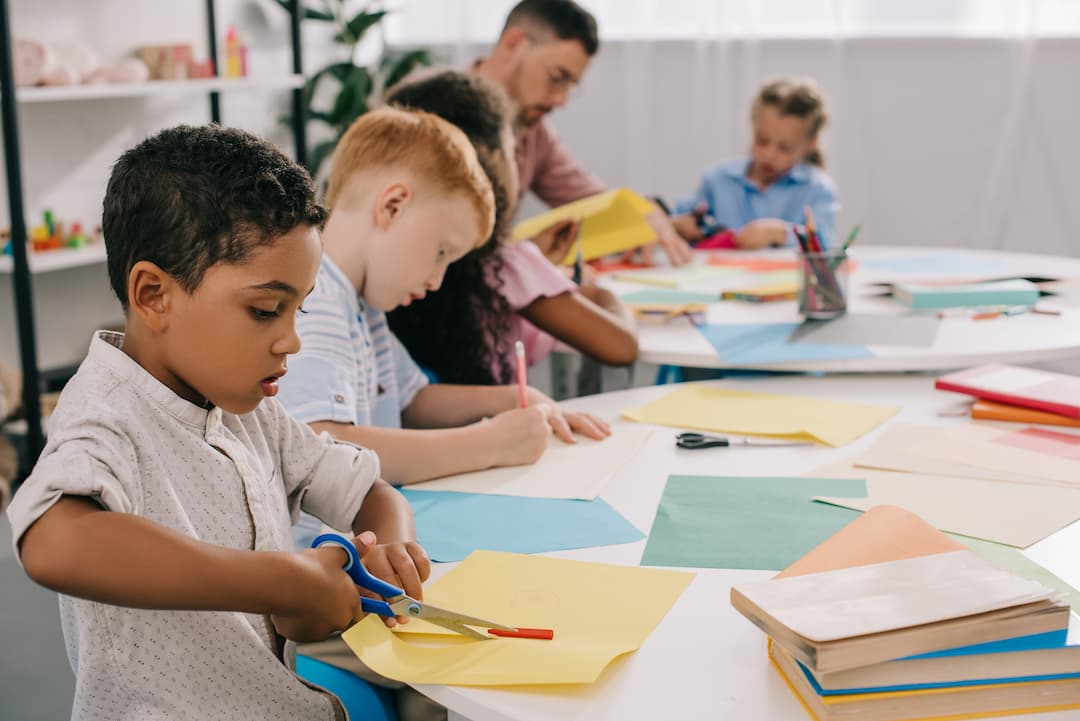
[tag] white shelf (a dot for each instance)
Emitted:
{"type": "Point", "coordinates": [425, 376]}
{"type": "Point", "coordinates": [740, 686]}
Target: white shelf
{"type": "Point", "coordinates": [153, 87]}
{"type": "Point", "coordinates": [50, 260]}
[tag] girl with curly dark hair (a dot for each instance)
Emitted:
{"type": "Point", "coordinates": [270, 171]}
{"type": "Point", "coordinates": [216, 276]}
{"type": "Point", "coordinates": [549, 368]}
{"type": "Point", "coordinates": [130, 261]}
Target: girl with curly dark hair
{"type": "Point", "coordinates": [464, 332]}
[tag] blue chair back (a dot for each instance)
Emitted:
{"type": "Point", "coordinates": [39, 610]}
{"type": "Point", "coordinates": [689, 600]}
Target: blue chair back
{"type": "Point", "coordinates": [363, 701]}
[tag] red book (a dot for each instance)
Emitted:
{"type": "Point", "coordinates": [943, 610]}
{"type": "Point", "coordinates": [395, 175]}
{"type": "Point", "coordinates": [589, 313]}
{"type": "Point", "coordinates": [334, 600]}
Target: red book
{"type": "Point", "coordinates": [1025, 387]}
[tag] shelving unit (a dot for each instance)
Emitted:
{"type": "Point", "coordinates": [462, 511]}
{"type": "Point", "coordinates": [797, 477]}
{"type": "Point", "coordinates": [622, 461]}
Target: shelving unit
{"type": "Point", "coordinates": [154, 87]}
{"type": "Point", "coordinates": [22, 265]}
{"type": "Point", "coordinates": [49, 260]}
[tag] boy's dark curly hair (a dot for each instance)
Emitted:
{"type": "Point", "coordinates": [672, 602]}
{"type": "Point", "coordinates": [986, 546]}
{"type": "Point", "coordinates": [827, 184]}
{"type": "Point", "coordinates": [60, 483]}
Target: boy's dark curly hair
{"type": "Point", "coordinates": [190, 197]}
{"type": "Point", "coordinates": [461, 332]}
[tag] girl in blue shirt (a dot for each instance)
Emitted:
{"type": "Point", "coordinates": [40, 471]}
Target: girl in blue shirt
{"type": "Point", "coordinates": [757, 201]}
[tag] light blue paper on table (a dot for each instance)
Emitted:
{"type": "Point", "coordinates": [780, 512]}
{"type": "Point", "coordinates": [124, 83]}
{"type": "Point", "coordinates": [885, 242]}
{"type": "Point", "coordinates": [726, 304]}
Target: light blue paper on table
{"type": "Point", "coordinates": [937, 264]}
{"type": "Point", "coordinates": [669, 295]}
{"type": "Point", "coordinates": [452, 525]}
{"type": "Point", "coordinates": [754, 343]}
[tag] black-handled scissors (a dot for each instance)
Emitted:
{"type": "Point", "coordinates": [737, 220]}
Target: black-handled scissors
{"type": "Point", "coordinates": [694, 441]}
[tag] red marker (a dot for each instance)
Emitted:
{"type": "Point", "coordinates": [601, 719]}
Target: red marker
{"type": "Point", "coordinates": [540, 634]}
{"type": "Point", "coordinates": [812, 241]}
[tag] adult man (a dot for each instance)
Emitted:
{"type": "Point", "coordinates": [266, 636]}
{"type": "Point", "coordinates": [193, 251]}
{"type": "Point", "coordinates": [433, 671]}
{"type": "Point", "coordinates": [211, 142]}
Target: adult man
{"type": "Point", "coordinates": [543, 51]}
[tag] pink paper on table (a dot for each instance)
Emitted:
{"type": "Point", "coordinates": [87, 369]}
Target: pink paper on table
{"type": "Point", "coordinates": [1052, 443]}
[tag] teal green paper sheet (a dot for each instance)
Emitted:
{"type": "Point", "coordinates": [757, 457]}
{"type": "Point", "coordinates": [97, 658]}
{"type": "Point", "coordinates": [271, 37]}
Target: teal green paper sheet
{"type": "Point", "coordinates": [669, 295]}
{"type": "Point", "coordinates": [452, 525]}
{"type": "Point", "coordinates": [736, 522]}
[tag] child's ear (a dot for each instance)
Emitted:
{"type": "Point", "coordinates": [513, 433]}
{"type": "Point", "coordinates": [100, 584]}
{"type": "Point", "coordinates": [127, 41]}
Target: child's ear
{"type": "Point", "coordinates": [391, 203]}
{"type": "Point", "coordinates": [149, 294]}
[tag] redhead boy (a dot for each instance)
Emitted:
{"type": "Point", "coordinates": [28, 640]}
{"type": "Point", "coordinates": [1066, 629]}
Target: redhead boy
{"type": "Point", "coordinates": [407, 197]}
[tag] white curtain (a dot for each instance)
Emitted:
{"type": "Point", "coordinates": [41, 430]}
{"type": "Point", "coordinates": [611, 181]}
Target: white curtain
{"type": "Point", "coordinates": [952, 120]}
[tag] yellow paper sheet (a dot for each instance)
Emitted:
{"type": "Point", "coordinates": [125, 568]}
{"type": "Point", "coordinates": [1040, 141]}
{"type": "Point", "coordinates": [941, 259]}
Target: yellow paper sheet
{"type": "Point", "coordinates": [724, 410]}
{"type": "Point", "coordinates": [611, 222]}
{"type": "Point", "coordinates": [598, 612]}
{"type": "Point", "coordinates": [574, 471]}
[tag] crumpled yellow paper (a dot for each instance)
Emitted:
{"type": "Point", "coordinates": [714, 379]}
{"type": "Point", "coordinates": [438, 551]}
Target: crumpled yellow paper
{"type": "Point", "coordinates": [598, 612]}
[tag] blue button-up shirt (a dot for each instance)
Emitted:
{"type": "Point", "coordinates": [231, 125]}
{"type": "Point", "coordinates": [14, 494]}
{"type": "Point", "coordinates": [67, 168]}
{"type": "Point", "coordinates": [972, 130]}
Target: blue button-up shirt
{"type": "Point", "coordinates": [733, 200]}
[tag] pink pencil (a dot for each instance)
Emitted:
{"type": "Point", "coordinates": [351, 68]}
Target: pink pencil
{"type": "Point", "coordinates": [519, 350]}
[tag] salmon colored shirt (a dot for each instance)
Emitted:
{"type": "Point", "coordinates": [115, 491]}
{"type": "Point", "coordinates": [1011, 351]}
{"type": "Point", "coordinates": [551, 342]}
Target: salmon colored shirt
{"type": "Point", "coordinates": [547, 168]}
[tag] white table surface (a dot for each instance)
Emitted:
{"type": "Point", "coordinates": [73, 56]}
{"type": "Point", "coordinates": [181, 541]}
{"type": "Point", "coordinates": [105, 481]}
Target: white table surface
{"type": "Point", "coordinates": [705, 660]}
{"type": "Point", "coordinates": [960, 342]}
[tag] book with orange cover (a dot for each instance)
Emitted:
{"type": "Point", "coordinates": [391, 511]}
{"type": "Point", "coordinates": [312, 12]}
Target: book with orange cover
{"type": "Point", "coordinates": [991, 411]}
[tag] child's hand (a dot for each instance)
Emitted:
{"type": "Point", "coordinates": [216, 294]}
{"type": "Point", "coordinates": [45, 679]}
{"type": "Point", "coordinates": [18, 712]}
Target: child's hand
{"type": "Point", "coordinates": [677, 250]}
{"type": "Point", "coordinates": [584, 423]}
{"type": "Point", "coordinates": [566, 423]}
{"type": "Point", "coordinates": [762, 234]}
{"type": "Point", "coordinates": [555, 241]}
{"type": "Point", "coordinates": [589, 274]}
{"type": "Point", "coordinates": [520, 436]}
{"type": "Point", "coordinates": [687, 226]}
{"type": "Point", "coordinates": [405, 564]}
{"type": "Point", "coordinates": [326, 599]}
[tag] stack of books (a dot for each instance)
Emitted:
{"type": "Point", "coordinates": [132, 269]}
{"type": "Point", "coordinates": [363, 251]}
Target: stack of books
{"type": "Point", "coordinates": [1018, 395]}
{"type": "Point", "coordinates": [892, 620]}
{"type": "Point", "coordinates": [1015, 291]}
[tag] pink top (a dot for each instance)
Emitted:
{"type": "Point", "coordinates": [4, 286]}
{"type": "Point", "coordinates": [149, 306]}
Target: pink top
{"type": "Point", "coordinates": [526, 276]}
{"type": "Point", "coordinates": [547, 168]}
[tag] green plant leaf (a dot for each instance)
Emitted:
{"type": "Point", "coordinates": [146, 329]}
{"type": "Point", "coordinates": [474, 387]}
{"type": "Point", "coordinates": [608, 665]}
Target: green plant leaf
{"type": "Point", "coordinates": [396, 65]}
{"type": "Point", "coordinates": [319, 154]}
{"type": "Point", "coordinates": [319, 115]}
{"type": "Point", "coordinates": [309, 12]}
{"type": "Point", "coordinates": [360, 24]}
{"type": "Point", "coordinates": [339, 71]}
{"type": "Point", "coordinates": [352, 100]}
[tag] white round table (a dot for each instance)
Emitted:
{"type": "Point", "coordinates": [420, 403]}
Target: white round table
{"type": "Point", "coordinates": [960, 341]}
{"type": "Point", "coordinates": [704, 660]}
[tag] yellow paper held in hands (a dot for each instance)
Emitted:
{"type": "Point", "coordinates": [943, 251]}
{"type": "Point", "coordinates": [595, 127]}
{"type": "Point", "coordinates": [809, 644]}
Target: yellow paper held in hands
{"type": "Point", "coordinates": [611, 222]}
{"type": "Point", "coordinates": [724, 410]}
{"type": "Point", "coordinates": [598, 612]}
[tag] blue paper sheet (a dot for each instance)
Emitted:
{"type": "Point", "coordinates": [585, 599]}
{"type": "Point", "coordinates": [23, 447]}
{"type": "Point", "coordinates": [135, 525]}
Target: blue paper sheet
{"type": "Point", "coordinates": [937, 264]}
{"type": "Point", "coordinates": [757, 343]}
{"type": "Point", "coordinates": [451, 525]}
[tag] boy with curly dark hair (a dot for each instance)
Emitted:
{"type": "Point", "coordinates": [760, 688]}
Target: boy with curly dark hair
{"type": "Point", "coordinates": [162, 505]}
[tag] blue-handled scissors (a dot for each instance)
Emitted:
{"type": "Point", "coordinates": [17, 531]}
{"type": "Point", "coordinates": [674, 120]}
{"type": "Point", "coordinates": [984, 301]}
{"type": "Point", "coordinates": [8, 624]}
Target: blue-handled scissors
{"type": "Point", "coordinates": [397, 603]}
{"type": "Point", "coordinates": [694, 441]}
